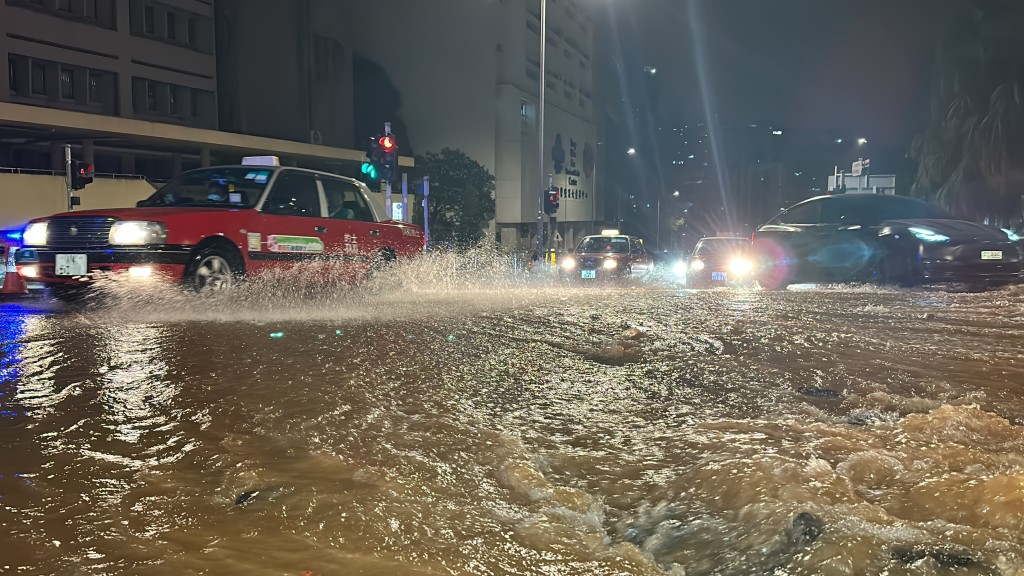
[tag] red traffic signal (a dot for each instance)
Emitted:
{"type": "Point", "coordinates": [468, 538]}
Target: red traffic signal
{"type": "Point", "coordinates": [387, 143]}
{"type": "Point", "coordinates": [81, 174]}
{"type": "Point", "coordinates": [551, 202]}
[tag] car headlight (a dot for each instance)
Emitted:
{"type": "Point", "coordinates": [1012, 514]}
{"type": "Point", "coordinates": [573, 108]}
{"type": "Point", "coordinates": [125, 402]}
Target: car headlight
{"type": "Point", "coordinates": [927, 235]}
{"type": "Point", "coordinates": [569, 263]}
{"type": "Point", "coordinates": [679, 269]}
{"type": "Point", "coordinates": [697, 265]}
{"type": "Point", "coordinates": [740, 266]}
{"type": "Point", "coordinates": [137, 233]}
{"type": "Point", "coordinates": [35, 234]}
{"type": "Point", "coordinates": [610, 263]}
{"type": "Point", "coordinates": [1013, 236]}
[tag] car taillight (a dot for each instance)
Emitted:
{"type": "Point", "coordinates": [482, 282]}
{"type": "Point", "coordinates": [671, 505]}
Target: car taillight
{"type": "Point", "coordinates": [752, 234]}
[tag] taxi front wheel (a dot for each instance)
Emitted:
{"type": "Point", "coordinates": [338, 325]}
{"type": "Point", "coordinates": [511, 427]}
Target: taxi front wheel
{"type": "Point", "coordinates": [213, 270]}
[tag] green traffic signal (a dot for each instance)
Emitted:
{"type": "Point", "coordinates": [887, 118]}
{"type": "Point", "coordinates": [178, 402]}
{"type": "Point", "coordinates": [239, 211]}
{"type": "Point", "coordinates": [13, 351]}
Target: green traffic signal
{"type": "Point", "coordinates": [370, 170]}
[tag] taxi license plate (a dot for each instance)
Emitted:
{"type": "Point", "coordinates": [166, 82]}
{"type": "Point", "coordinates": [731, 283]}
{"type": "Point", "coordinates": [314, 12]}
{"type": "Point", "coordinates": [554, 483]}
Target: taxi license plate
{"type": "Point", "coordinates": [71, 265]}
{"type": "Point", "coordinates": [991, 254]}
{"type": "Point", "coordinates": [719, 277]}
{"type": "Point", "coordinates": [589, 273]}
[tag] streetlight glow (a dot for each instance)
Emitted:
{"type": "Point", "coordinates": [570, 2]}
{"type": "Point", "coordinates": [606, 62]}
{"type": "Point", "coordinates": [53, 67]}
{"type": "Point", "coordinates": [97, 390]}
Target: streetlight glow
{"type": "Point", "coordinates": [631, 151]}
{"type": "Point", "coordinates": [862, 141]}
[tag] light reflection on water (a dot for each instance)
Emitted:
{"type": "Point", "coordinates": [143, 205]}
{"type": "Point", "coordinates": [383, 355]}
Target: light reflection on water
{"type": "Point", "coordinates": [514, 426]}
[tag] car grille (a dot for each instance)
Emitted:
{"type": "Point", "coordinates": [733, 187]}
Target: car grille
{"type": "Point", "coordinates": [588, 263]}
{"type": "Point", "coordinates": [79, 232]}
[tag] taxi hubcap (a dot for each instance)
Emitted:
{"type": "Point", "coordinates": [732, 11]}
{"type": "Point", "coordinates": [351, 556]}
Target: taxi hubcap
{"type": "Point", "coordinates": [213, 273]}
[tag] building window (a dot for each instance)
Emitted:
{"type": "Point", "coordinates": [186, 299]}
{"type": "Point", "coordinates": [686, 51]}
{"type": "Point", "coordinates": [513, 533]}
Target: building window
{"type": "Point", "coordinates": [191, 32]}
{"type": "Point", "coordinates": [94, 88]}
{"type": "Point", "coordinates": [91, 10]}
{"type": "Point", "coordinates": [149, 20]}
{"type": "Point", "coordinates": [151, 96]}
{"type": "Point", "coordinates": [38, 78]}
{"type": "Point", "coordinates": [172, 101]}
{"type": "Point", "coordinates": [194, 96]}
{"type": "Point", "coordinates": [64, 5]}
{"type": "Point", "coordinates": [172, 25]}
{"type": "Point", "coordinates": [67, 84]}
{"type": "Point", "coordinates": [12, 75]}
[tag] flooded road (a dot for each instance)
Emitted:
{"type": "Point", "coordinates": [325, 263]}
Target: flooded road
{"type": "Point", "coordinates": [445, 426]}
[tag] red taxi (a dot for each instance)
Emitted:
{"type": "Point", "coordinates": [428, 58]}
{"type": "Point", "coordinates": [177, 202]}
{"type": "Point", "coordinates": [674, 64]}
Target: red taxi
{"type": "Point", "coordinates": [210, 227]}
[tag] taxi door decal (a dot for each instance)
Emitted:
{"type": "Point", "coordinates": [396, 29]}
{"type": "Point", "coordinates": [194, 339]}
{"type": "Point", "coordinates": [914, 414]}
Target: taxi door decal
{"type": "Point", "coordinates": [295, 244]}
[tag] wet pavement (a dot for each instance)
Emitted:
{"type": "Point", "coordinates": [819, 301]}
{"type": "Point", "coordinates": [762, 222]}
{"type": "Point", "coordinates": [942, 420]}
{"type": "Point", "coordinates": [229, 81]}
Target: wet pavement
{"type": "Point", "coordinates": [450, 419]}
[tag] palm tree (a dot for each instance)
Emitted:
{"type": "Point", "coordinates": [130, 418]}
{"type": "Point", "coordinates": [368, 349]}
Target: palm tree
{"type": "Point", "coordinates": [970, 157]}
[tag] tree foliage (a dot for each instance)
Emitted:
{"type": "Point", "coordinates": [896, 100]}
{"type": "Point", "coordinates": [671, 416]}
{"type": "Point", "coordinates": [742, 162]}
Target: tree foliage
{"type": "Point", "coordinates": [461, 202]}
{"type": "Point", "coordinates": [970, 157]}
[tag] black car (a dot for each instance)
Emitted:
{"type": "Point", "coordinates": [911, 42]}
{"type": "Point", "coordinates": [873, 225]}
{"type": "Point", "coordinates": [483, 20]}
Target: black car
{"type": "Point", "coordinates": [720, 261]}
{"type": "Point", "coordinates": [871, 237]}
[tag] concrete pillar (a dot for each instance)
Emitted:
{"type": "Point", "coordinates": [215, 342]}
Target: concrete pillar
{"type": "Point", "coordinates": [204, 156]}
{"type": "Point", "coordinates": [88, 152]}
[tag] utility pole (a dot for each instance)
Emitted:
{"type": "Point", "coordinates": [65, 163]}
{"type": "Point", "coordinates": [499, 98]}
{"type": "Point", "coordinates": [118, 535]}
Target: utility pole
{"type": "Point", "coordinates": [540, 127]}
{"type": "Point", "coordinates": [426, 213]}
{"type": "Point", "coordinates": [387, 191]}
{"type": "Point", "coordinates": [67, 175]}
{"type": "Point", "coordinates": [405, 197]}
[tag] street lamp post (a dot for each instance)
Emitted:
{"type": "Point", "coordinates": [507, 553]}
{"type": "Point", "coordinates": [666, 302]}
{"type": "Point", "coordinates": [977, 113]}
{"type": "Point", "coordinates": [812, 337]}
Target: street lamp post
{"type": "Point", "coordinates": [540, 128]}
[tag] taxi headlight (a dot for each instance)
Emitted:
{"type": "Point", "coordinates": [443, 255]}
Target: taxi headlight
{"type": "Point", "coordinates": [569, 263]}
{"type": "Point", "coordinates": [740, 266]}
{"type": "Point", "coordinates": [679, 269]}
{"type": "Point", "coordinates": [697, 265]}
{"type": "Point", "coordinates": [35, 234]}
{"type": "Point", "coordinates": [136, 233]}
{"type": "Point", "coordinates": [610, 263]}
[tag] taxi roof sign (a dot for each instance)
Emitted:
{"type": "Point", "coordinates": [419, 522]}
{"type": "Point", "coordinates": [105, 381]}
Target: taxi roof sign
{"type": "Point", "coordinates": [611, 232]}
{"type": "Point", "coordinates": [261, 161]}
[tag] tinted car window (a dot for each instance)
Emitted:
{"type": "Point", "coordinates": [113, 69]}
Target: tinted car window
{"type": "Point", "coordinates": [345, 201]}
{"type": "Point", "coordinates": [806, 213]}
{"type": "Point", "coordinates": [293, 194]}
{"type": "Point", "coordinates": [234, 186]}
{"type": "Point", "coordinates": [713, 247]}
{"type": "Point", "coordinates": [871, 210]}
{"type": "Point", "coordinates": [612, 244]}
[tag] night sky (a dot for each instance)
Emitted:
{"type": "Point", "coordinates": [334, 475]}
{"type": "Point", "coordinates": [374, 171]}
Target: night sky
{"type": "Point", "coordinates": [852, 68]}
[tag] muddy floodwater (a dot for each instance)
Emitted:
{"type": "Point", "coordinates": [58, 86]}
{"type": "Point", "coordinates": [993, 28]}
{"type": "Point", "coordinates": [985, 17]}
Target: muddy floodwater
{"type": "Point", "coordinates": [439, 423]}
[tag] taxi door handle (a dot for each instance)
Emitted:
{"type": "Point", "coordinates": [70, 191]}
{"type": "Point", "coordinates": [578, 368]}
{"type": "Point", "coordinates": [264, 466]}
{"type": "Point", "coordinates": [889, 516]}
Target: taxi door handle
{"type": "Point", "coordinates": [320, 229]}
{"type": "Point", "coordinates": [374, 233]}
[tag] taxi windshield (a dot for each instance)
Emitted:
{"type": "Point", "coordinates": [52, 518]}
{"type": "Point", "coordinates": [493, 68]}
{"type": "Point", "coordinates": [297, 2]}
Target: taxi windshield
{"type": "Point", "coordinates": [233, 186]}
{"type": "Point", "coordinates": [611, 244]}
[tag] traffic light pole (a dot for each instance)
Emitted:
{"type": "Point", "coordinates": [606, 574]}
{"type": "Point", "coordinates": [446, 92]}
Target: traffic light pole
{"type": "Point", "coordinates": [67, 174]}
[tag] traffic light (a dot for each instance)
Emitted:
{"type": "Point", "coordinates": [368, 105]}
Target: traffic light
{"type": "Point", "coordinates": [371, 169]}
{"type": "Point", "coordinates": [389, 160]}
{"type": "Point", "coordinates": [551, 201]}
{"type": "Point", "coordinates": [81, 174]}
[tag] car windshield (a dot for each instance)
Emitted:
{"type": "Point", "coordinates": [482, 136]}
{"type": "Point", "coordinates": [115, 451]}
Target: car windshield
{"type": "Point", "coordinates": [719, 246]}
{"type": "Point", "coordinates": [611, 244]}
{"type": "Point", "coordinates": [234, 186]}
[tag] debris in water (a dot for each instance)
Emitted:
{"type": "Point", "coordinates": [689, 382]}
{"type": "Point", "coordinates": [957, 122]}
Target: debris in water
{"type": "Point", "coordinates": [945, 559]}
{"type": "Point", "coordinates": [277, 334]}
{"type": "Point", "coordinates": [815, 392]}
{"type": "Point", "coordinates": [246, 497]}
{"type": "Point", "coordinates": [337, 332]}
{"type": "Point", "coordinates": [451, 337]}
{"type": "Point", "coordinates": [634, 333]}
{"type": "Point", "coordinates": [804, 529]}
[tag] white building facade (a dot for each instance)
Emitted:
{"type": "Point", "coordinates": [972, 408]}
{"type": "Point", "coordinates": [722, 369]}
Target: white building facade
{"type": "Point", "coordinates": [470, 80]}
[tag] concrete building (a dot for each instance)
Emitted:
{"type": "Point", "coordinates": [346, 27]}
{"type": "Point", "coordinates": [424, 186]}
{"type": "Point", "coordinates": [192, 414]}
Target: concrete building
{"type": "Point", "coordinates": [132, 86]}
{"type": "Point", "coordinates": [470, 80]}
